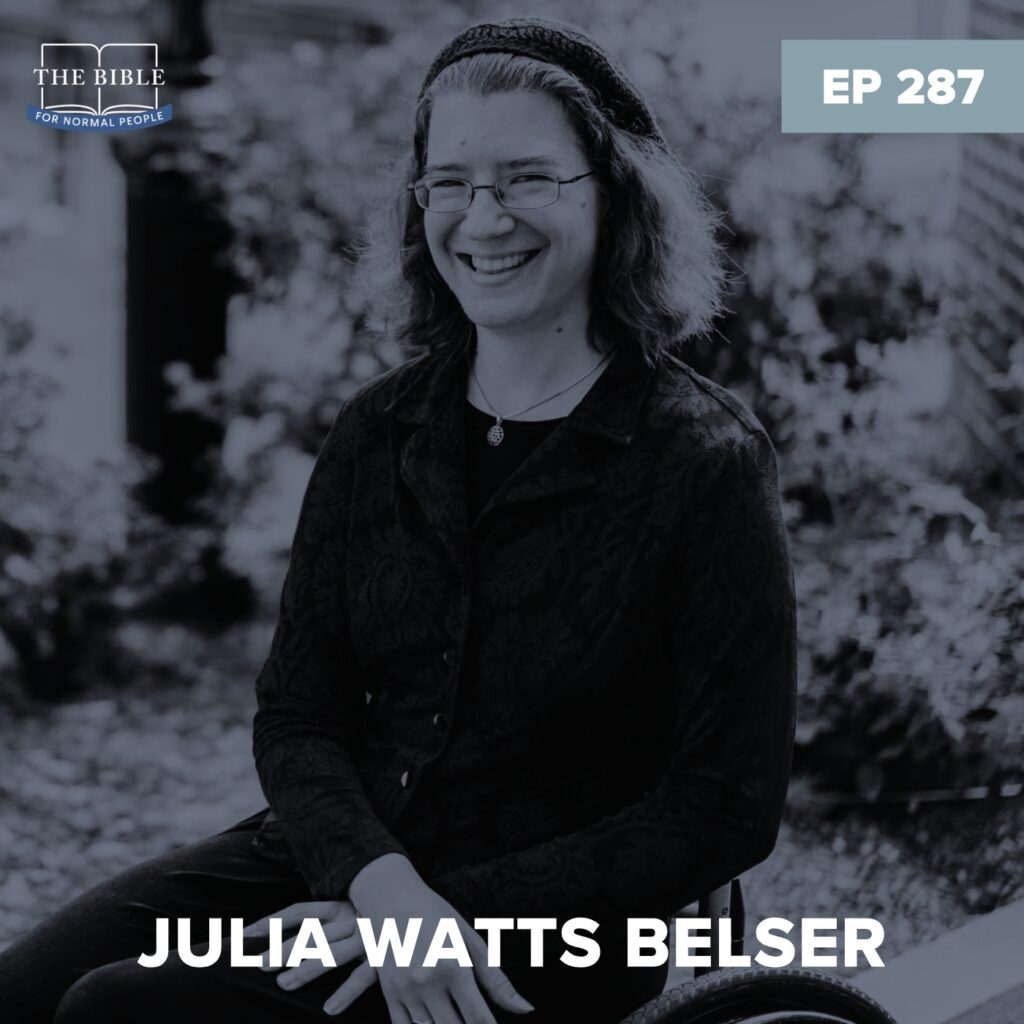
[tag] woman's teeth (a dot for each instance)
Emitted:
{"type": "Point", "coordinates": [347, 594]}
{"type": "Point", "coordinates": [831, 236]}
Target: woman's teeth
{"type": "Point", "coordinates": [494, 266]}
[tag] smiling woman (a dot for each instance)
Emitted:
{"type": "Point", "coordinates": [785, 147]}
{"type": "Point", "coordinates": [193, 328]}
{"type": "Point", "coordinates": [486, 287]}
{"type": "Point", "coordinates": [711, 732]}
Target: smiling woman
{"type": "Point", "coordinates": [535, 655]}
{"type": "Point", "coordinates": [520, 271]}
{"type": "Point", "coordinates": [656, 269]}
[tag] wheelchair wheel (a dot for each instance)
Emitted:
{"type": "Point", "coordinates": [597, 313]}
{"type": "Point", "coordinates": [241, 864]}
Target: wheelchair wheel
{"type": "Point", "coordinates": [761, 995]}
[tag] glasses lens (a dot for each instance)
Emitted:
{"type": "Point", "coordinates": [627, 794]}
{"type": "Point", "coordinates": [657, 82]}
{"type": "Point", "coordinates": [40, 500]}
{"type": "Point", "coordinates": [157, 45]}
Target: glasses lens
{"type": "Point", "coordinates": [527, 191]}
{"type": "Point", "coordinates": [443, 195]}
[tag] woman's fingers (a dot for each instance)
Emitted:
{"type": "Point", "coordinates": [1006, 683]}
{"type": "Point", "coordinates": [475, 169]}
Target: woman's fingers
{"type": "Point", "coordinates": [296, 977]}
{"type": "Point", "coordinates": [495, 983]}
{"type": "Point", "coordinates": [399, 1014]}
{"type": "Point", "coordinates": [415, 1009]}
{"type": "Point", "coordinates": [472, 1006]}
{"type": "Point", "coordinates": [343, 952]}
{"type": "Point", "coordinates": [348, 949]}
{"type": "Point", "coordinates": [292, 917]}
{"type": "Point", "coordinates": [493, 980]}
{"type": "Point", "coordinates": [362, 978]}
{"type": "Point", "coordinates": [334, 932]}
{"type": "Point", "coordinates": [336, 918]}
{"type": "Point", "coordinates": [448, 995]}
{"type": "Point", "coordinates": [439, 1009]}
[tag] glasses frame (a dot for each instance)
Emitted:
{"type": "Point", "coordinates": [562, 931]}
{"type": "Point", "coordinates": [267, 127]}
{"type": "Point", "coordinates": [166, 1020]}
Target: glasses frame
{"type": "Point", "coordinates": [473, 189]}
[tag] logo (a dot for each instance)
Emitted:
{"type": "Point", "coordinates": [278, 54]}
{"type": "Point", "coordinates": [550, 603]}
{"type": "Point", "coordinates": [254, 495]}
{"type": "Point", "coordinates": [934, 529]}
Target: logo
{"type": "Point", "coordinates": [88, 88]}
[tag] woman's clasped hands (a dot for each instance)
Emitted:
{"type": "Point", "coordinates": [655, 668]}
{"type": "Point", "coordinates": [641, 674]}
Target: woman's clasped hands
{"type": "Point", "coordinates": [446, 993]}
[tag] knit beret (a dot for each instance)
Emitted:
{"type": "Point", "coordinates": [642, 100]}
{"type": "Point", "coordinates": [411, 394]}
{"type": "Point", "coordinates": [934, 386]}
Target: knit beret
{"type": "Point", "coordinates": [567, 47]}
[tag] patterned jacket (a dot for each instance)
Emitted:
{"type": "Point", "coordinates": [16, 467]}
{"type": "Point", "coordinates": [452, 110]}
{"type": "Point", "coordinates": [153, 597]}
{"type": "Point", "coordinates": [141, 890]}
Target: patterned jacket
{"type": "Point", "coordinates": [581, 703]}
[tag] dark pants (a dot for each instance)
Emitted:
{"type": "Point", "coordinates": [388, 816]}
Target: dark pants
{"type": "Point", "coordinates": [80, 966]}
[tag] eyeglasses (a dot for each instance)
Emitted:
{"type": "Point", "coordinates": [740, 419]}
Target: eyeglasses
{"type": "Point", "coordinates": [516, 192]}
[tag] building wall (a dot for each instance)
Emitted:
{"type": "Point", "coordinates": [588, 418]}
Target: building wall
{"type": "Point", "coordinates": [240, 27]}
{"type": "Point", "coordinates": [991, 229]}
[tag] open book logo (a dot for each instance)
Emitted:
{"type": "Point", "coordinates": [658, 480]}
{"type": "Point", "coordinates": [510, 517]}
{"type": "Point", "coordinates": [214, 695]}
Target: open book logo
{"type": "Point", "coordinates": [113, 87]}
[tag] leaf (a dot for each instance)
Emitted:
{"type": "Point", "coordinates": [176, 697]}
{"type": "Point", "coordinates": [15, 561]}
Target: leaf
{"type": "Point", "coordinates": [870, 780]}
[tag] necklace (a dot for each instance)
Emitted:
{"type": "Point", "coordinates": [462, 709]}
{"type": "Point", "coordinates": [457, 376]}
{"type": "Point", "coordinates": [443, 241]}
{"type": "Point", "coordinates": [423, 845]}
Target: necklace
{"type": "Point", "coordinates": [495, 433]}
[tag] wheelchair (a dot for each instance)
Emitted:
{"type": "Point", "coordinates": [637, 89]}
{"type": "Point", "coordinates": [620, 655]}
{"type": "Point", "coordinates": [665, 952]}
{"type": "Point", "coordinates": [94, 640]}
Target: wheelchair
{"type": "Point", "coordinates": [756, 995]}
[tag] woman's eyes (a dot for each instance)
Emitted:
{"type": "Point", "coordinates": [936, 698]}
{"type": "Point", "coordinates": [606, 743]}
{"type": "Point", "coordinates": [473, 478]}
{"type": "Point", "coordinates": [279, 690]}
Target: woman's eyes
{"type": "Point", "coordinates": [515, 179]}
{"type": "Point", "coordinates": [527, 179]}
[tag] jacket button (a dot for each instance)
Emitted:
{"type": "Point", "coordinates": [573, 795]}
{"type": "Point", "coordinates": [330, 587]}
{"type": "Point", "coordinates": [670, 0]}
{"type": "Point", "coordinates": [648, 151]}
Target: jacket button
{"type": "Point", "coordinates": [440, 721]}
{"type": "Point", "coordinates": [448, 657]}
{"type": "Point", "coordinates": [404, 780]}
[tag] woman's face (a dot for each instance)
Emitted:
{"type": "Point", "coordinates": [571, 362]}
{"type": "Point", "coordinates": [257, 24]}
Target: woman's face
{"type": "Point", "coordinates": [482, 139]}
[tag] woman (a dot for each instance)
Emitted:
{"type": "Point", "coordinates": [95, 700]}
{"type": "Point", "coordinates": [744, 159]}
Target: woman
{"type": "Point", "coordinates": [535, 656]}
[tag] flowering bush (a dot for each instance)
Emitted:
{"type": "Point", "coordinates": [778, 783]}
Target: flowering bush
{"type": "Point", "coordinates": [79, 559]}
{"type": "Point", "coordinates": [59, 533]}
{"type": "Point", "coordinates": [912, 633]}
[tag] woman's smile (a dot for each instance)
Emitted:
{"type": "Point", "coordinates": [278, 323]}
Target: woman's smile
{"type": "Point", "coordinates": [497, 269]}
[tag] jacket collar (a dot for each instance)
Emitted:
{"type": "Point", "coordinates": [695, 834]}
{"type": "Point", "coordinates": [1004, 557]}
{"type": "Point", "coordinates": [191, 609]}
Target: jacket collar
{"type": "Point", "coordinates": [610, 409]}
{"type": "Point", "coordinates": [431, 460]}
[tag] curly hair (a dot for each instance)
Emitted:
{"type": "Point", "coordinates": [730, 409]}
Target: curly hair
{"type": "Point", "coordinates": [658, 271]}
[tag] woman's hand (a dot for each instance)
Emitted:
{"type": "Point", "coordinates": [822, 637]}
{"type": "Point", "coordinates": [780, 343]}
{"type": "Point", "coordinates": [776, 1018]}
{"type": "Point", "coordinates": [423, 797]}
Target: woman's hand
{"type": "Point", "coordinates": [338, 921]}
{"type": "Point", "coordinates": [447, 993]}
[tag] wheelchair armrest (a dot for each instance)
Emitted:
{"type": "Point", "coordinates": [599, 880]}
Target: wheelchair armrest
{"type": "Point", "coordinates": [725, 902]}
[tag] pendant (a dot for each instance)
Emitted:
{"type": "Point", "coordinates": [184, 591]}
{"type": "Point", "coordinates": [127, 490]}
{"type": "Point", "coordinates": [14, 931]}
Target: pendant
{"type": "Point", "coordinates": [495, 435]}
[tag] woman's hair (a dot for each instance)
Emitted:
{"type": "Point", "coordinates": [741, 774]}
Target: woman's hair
{"type": "Point", "coordinates": [658, 272]}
